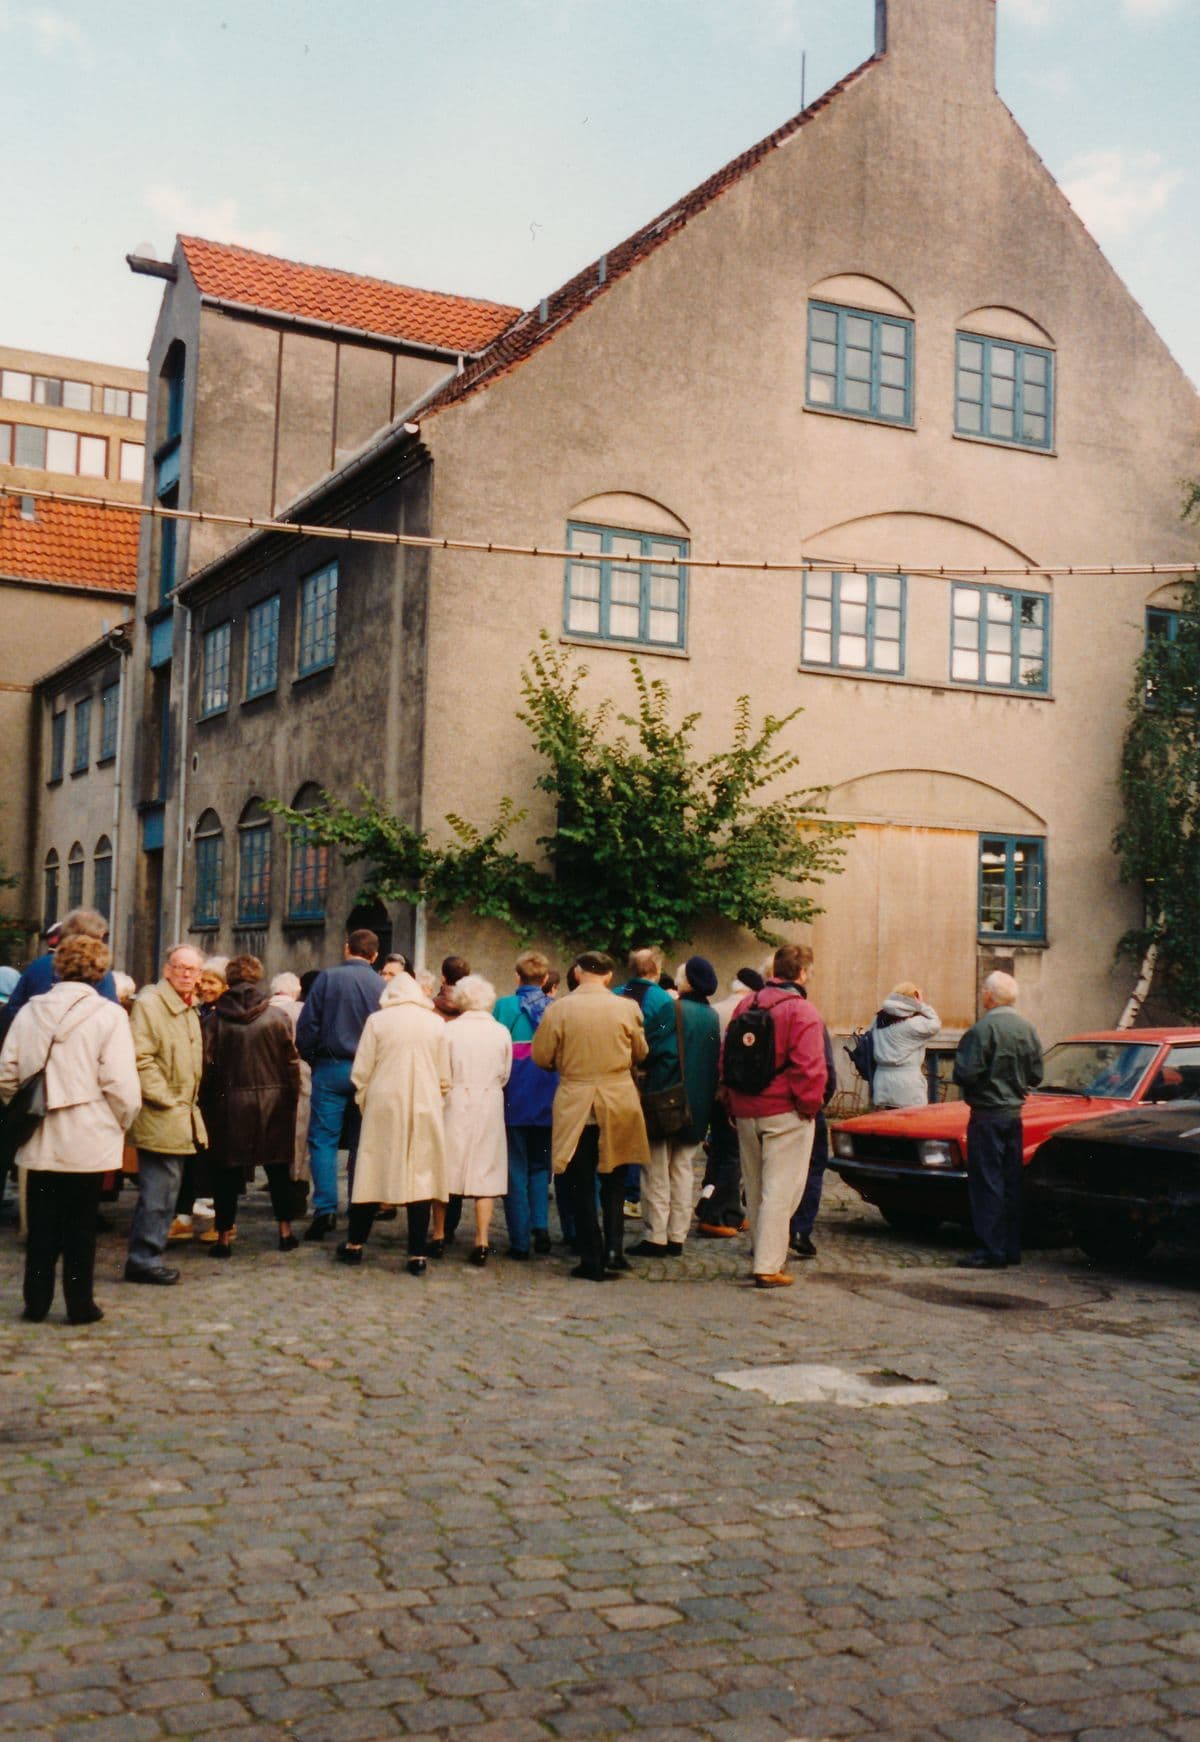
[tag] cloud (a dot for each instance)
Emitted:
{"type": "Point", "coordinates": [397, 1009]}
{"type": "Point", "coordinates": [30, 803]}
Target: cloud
{"type": "Point", "coordinates": [1116, 192]}
{"type": "Point", "coordinates": [50, 32]}
{"type": "Point", "coordinates": [217, 218]}
{"type": "Point", "coordinates": [1142, 10]}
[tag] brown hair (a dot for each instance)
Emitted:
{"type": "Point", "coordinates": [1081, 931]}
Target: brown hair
{"type": "Point", "coordinates": [646, 963]}
{"type": "Point", "coordinates": [82, 958]}
{"type": "Point", "coordinates": [243, 971]}
{"type": "Point", "coordinates": [532, 968]}
{"type": "Point", "coordinates": [791, 961]}
{"type": "Point", "coordinates": [594, 962]}
{"type": "Point", "coordinates": [454, 969]}
{"type": "Point", "coordinates": [363, 943]}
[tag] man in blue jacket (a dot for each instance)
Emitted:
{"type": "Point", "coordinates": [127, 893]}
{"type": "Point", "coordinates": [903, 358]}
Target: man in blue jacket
{"type": "Point", "coordinates": [327, 1036]}
{"type": "Point", "coordinates": [660, 1071]}
{"type": "Point", "coordinates": [81, 922]}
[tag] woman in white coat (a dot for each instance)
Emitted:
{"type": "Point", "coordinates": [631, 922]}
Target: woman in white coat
{"type": "Point", "coordinates": [84, 1045]}
{"type": "Point", "coordinates": [900, 1030]}
{"type": "Point", "coordinates": [476, 1142]}
{"type": "Point", "coordinates": [401, 1073]}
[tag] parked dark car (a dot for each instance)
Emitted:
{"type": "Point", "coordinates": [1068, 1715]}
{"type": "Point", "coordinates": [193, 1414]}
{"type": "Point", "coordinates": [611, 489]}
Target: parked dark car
{"type": "Point", "coordinates": [1121, 1183]}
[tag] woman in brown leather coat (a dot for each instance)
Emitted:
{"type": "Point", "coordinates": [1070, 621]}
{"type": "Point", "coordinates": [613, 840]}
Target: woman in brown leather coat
{"type": "Point", "coordinates": [249, 1096]}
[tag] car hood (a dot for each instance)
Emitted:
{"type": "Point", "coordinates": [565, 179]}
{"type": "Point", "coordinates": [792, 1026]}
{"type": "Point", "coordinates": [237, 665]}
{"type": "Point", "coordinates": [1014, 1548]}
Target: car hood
{"type": "Point", "coordinates": [948, 1119]}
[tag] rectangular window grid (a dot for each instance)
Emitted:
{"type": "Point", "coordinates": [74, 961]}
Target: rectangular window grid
{"type": "Point", "coordinates": [1004, 391]}
{"type": "Point", "coordinates": [860, 363]}
{"type": "Point", "coordinates": [50, 895]}
{"type": "Point", "coordinates": [308, 884]}
{"type": "Point", "coordinates": [83, 739]}
{"type": "Point", "coordinates": [110, 703]}
{"type": "Point", "coordinates": [254, 875]}
{"type": "Point", "coordinates": [1000, 639]}
{"type": "Point", "coordinates": [206, 899]}
{"type": "Point", "coordinates": [214, 673]}
{"type": "Point", "coordinates": [1012, 888]}
{"type": "Point", "coordinates": [853, 622]}
{"type": "Point", "coordinates": [626, 586]}
{"type": "Point", "coordinates": [75, 882]}
{"type": "Point", "coordinates": [262, 647]}
{"type": "Point", "coordinates": [102, 884]}
{"type": "Point", "coordinates": [58, 745]}
{"type": "Point", "coordinates": [318, 619]}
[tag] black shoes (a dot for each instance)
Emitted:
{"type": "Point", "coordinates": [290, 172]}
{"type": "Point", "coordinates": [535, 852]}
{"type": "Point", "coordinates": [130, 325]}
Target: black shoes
{"type": "Point", "coordinates": [650, 1249]}
{"type": "Point", "coordinates": [802, 1246]}
{"type": "Point", "coordinates": [221, 1249]}
{"type": "Point", "coordinates": [478, 1256]}
{"type": "Point", "coordinates": [157, 1273]}
{"type": "Point", "coordinates": [436, 1248]}
{"type": "Point", "coordinates": [416, 1267]}
{"type": "Point", "coordinates": [981, 1261]}
{"type": "Point", "coordinates": [587, 1273]}
{"type": "Point", "coordinates": [674, 1248]}
{"type": "Point", "coordinates": [324, 1222]}
{"type": "Point", "coordinates": [90, 1315]}
{"type": "Point", "coordinates": [288, 1242]}
{"type": "Point", "coordinates": [516, 1252]}
{"type": "Point", "coordinates": [347, 1254]}
{"type": "Point", "coordinates": [541, 1241]}
{"type": "Point", "coordinates": [388, 1213]}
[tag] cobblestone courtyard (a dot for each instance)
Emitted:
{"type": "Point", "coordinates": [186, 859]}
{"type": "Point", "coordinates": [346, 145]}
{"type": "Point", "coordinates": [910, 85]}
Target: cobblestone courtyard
{"type": "Point", "coordinates": [288, 1499]}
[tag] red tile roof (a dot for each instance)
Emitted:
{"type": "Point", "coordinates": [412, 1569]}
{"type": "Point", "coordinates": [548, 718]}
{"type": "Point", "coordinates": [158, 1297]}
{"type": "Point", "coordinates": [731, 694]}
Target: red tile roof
{"type": "Point", "coordinates": [68, 542]}
{"type": "Point", "coordinates": [526, 335]}
{"type": "Point", "coordinates": [321, 293]}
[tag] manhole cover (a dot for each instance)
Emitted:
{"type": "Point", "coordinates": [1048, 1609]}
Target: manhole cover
{"type": "Point", "coordinates": [982, 1299]}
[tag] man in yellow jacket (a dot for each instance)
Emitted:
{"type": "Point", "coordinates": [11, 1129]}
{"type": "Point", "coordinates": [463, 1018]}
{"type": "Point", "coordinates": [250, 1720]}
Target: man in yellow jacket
{"type": "Point", "coordinates": [593, 1041]}
{"type": "Point", "coordinates": [167, 1046]}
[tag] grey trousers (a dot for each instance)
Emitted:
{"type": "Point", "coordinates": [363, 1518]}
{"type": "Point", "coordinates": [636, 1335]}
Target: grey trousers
{"type": "Point", "coordinates": [158, 1187]}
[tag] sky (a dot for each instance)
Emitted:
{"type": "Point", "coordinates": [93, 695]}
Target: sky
{"type": "Point", "coordinates": [493, 147]}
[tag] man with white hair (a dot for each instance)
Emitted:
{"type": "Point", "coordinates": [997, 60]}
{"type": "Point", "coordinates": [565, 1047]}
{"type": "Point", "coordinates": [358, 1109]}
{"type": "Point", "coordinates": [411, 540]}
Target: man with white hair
{"type": "Point", "coordinates": [997, 1063]}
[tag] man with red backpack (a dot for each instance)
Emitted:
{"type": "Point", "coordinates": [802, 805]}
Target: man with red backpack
{"type": "Point", "coordinates": [774, 1076]}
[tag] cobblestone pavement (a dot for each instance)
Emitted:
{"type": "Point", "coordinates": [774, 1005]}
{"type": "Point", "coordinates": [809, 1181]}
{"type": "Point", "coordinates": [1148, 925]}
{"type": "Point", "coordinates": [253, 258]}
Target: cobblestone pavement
{"type": "Point", "coordinates": [289, 1499]}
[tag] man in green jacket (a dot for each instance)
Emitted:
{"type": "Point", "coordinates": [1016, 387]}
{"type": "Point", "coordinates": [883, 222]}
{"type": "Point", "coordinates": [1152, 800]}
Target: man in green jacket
{"type": "Point", "coordinates": [997, 1063]}
{"type": "Point", "coordinates": [167, 1046]}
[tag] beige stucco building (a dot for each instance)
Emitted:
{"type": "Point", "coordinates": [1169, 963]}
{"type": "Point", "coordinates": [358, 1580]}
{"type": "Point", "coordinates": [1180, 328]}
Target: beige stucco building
{"type": "Point", "coordinates": [880, 338]}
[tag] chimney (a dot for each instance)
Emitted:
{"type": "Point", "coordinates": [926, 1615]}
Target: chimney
{"type": "Point", "coordinates": [946, 42]}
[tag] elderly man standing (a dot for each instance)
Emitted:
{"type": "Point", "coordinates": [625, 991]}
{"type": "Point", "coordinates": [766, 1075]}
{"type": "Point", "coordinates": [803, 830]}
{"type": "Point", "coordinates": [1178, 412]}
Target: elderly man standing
{"type": "Point", "coordinates": [593, 1040]}
{"type": "Point", "coordinates": [328, 1031]}
{"type": "Point", "coordinates": [997, 1063]}
{"type": "Point", "coordinates": [169, 1054]}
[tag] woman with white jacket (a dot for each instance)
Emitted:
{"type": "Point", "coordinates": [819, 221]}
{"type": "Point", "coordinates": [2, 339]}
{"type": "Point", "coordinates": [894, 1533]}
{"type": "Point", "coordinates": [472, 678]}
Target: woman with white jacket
{"type": "Point", "coordinates": [900, 1031]}
{"type": "Point", "coordinates": [476, 1141]}
{"type": "Point", "coordinates": [84, 1045]}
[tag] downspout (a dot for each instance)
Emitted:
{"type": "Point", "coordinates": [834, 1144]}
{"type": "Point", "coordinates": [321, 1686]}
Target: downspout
{"type": "Point", "coordinates": [185, 705]}
{"type": "Point", "coordinates": [123, 647]}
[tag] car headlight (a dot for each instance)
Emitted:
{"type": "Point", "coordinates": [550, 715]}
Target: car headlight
{"type": "Point", "coordinates": [937, 1154]}
{"type": "Point", "coordinates": [843, 1145]}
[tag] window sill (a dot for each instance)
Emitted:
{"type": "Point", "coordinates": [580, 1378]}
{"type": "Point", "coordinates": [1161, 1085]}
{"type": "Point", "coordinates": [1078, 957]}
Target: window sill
{"type": "Point", "coordinates": [254, 924]}
{"type": "Point", "coordinates": [990, 940]}
{"type": "Point", "coordinates": [861, 417]}
{"type": "Point", "coordinates": [259, 695]}
{"type": "Point", "coordinates": [639, 649]}
{"type": "Point", "coordinates": [205, 925]}
{"type": "Point", "coordinates": [212, 714]}
{"type": "Point", "coordinates": [305, 922]}
{"type": "Point", "coordinates": [76, 772]}
{"type": "Point", "coordinates": [313, 671]}
{"type": "Point", "coordinates": [920, 683]}
{"type": "Point", "coordinates": [984, 441]}
{"type": "Point", "coordinates": [106, 761]}
{"type": "Point", "coordinates": [55, 780]}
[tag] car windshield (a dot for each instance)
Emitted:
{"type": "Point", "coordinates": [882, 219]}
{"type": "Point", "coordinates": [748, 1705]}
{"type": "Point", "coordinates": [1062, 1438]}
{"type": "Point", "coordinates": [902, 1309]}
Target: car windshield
{"type": "Point", "coordinates": [1111, 1068]}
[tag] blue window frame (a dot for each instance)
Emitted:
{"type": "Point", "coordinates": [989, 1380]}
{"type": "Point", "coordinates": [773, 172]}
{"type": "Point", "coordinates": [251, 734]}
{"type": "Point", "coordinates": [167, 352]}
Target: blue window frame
{"type": "Point", "coordinates": [262, 647]}
{"type": "Point", "coordinates": [166, 549]}
{"type": "Point", "coordinates": [58, 745]}
{"type": "Point", "coordinates": [210, 864]}
{"type": "Point", "coordinates": [860, 363]}
{"type": "Point", "coordinates": [1012, 888]}
{"type": "Point", "coordinates": [83, 739]}
{"type": "Point", "coordinates": [102, 877]}
{"type": "Point", "coordinates": [50, 890]}
{"type": "Point", "coordinates": [853, 622]}
{"type": "Point", "coordinates": [318, 619]}
{"type": "Point", "coordinates": [625, 586]}
{"type": "Point", "coordinates": [1161, 625]}
{"type": "Point", "coordinates": [1004, 391]}
{"type": "Point", "coordinates": [254, 874]}
{"type": "Point", "coordinates": [1000, 638]}
{"type": "Point", "coordinates": [308, 880]}
{"type": "Point", "coordinates": [110, 704]}
{"type": "Point", "coordinates": [214, 670]}
{"type": "Point", "coordinates": [75, 876]}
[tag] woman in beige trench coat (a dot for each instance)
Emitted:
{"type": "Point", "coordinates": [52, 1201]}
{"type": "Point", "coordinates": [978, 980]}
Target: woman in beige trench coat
{"type": "Point", "coordinates": [476, 1143]}
{"type": "Point", "coordinates": [401, 1073]}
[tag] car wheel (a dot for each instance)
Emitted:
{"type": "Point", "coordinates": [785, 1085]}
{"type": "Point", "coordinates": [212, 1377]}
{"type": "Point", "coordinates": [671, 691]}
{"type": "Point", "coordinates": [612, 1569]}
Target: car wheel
{"type": "Point", "coordinates": [1117, 1242]}
{"type": "Point", "coordinates": [910, 1221]}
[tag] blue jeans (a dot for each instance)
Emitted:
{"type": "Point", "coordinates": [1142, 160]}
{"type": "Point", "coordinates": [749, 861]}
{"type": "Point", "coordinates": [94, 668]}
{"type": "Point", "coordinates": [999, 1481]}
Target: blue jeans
{"type": "Point", "coordinates": [527, 1201]}
{"type": "Point", "coordinates": [158, 1187]}
{"type": "Point", "coordinates": [332, 1095]}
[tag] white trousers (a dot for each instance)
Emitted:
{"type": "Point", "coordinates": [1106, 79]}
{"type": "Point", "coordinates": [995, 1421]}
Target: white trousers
{"type": "Point", "coordinates": [668, 1182]}
{"type": "Point", "coordinates": [775, 1154]}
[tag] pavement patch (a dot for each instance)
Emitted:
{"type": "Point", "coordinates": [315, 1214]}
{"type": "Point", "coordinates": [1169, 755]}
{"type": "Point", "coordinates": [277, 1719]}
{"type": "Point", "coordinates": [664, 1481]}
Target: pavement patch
{"type": "Point", "coordinates": [814, 1384]}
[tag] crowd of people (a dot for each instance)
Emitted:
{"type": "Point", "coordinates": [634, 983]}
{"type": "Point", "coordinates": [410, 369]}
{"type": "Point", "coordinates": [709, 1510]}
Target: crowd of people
{"type": "Point", "coordinates": [441, 1094]}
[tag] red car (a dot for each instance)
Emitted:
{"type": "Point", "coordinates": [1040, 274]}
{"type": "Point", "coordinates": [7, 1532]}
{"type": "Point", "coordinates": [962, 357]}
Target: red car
{"type": "Point", "coordinates": [912, 1164]}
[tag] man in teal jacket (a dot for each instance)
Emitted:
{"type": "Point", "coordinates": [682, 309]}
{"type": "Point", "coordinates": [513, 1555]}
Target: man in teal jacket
{"type": "Point", "coordinates": [997, 1063]}
{"type": "Point", "coordinates": [660, 1071]}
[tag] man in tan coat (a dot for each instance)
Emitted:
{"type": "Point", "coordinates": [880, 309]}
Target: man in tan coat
{"type": "Point", "coordinates": [593, 1041]}
{"type": "Point", "coordinates": [167, 1046]}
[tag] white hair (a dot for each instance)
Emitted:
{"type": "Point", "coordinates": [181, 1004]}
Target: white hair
{"type": "Point", "coordinates": [427, 980]}
{"type": "Point", "coordinates": [125, 985]}
{"type": "Point", "coordinates": [216, 965]}
{"type": "Point", "coordinates": [472, 992]}
{"type": "Point", "coordinates": [284, 985]}
{"type": "Point", "coordinates": [1002, 988]}
{"type": "Point", "coordinates": [179, 949]}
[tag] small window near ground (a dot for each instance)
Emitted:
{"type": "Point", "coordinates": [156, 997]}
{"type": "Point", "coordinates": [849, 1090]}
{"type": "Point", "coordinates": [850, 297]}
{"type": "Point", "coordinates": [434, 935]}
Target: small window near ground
{"type": "Point", "coordinates": [308, 871]}
{"type": "Point", "coordinates": [50, 890]}
{"type": "Point", "coordinates": [210, 854]}
{"type": "Point", "coordinates": [102, 877]}
{"type": "Point", "coordinates": [254, 867]}
{"type": "Point", "coordinates": [1012, 883]}
{"type": "Point", "coordinates": [75, 876]}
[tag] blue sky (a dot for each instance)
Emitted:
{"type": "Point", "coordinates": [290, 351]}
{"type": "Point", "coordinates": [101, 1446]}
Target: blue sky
{"type": "Point", "coordinates": [494, 146]}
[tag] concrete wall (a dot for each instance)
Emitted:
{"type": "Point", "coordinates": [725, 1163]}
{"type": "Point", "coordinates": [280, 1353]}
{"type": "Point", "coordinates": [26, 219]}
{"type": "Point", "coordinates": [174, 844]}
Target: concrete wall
{"type": "Point", "coordinates": [93, 421]}
{"type": "Point", "coordinates": [78, 809]}
{"type": "Point", "coordinates": [685, 383]}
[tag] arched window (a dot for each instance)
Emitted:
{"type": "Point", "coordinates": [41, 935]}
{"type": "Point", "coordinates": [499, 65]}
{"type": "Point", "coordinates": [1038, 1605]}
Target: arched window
{"type": "Point", "coordinates": [102, 865]}
{"type": "Point", "coordinates": [254, 865]}
{"type": "Point", "coordinates": [75, 876]}
{"type": "Point", "coordinates": [308, 871]}
{"type": "Point", "coordinates": [169, 428]}
{"type": "Point", "coordinates": [1004, 379]}
{"type": "Point", "coordinates": [50, 890]}
{"type": "Point", "coordinates": [210, 864]}
{"type": "Point", "coordinates": [624, 585]}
